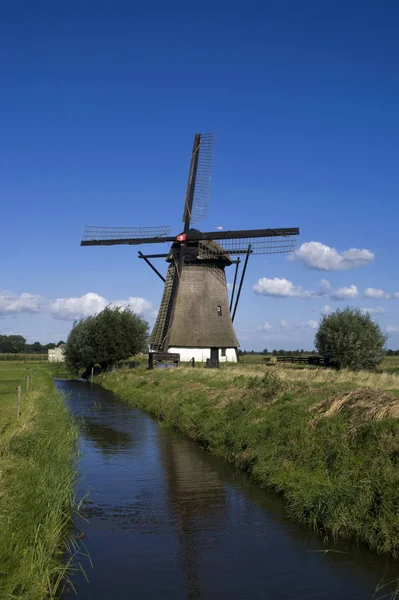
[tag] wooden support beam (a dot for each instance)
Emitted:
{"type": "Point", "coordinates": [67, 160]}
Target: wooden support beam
{"type": "Point", "coordinates": [241, 281]}
{"type": "Point", "coordinates": [234, 284]}
{"type": "Point", "coordinates": [141, 255]}
{"type": "Point", "coordinates": [154, 255]}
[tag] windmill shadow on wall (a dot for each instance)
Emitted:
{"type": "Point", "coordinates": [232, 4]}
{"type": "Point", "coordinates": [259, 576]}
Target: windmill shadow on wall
{"type": "Point", "coordinates": [195, 318]}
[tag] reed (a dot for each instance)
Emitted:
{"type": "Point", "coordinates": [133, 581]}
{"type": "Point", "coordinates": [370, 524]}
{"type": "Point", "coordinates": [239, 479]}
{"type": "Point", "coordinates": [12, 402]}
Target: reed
{"type": "Point", "coordinates": [36, 488]}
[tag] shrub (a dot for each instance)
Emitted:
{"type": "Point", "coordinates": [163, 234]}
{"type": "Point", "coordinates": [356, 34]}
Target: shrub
{"type": "Point", "coordinates": [270, 387]}
{"type": "Point", "coordinates": [349, 339]}
{"type": "Point", "coordinates": [105, 339]}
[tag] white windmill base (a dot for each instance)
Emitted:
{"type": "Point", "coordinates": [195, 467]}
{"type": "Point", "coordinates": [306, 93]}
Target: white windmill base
{"type": "Point", "coordinates": [201, 354]}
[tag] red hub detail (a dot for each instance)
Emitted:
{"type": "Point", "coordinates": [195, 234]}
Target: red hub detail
{"type": "Point", "coordinates": [182, 237]}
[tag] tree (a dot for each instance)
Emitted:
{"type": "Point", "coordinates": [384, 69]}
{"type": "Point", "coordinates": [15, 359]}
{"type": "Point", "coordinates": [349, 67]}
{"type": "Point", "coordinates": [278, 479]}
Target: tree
{"type": "Point", "coordinates": [349, 339]}
{"type": "Point", "coordinates": [18, 342]}
{"type": "Point", "coordinates": [12, 343]}
{"type": "Point", "coordinates": [80, 352]}
{"type": "Point", "coordinates": [5, 344]}
{"type": "Point", "coordinates": [105, 339]}
{"type": "Point", "coordinates": [37, 348]}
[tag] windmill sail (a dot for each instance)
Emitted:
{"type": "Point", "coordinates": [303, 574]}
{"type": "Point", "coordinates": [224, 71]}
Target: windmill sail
{"type": "Point", "coordinates": [261, 245]}
{"type": "Point", "coordinates": [262, 241]}
{"type": "Point", "coordinates": [199, 181]}
{"type": "Point", "coordinates": [108, 236]}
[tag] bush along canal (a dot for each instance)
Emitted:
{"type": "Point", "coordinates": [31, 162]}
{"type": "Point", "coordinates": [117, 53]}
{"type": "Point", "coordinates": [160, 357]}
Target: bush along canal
{"type": "Point", "coordinates": [165, 519]}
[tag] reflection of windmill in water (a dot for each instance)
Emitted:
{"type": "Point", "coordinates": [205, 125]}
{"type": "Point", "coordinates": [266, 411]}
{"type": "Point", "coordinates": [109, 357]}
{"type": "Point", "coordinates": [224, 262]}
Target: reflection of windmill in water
{"type": "Point", "coordinates": [195, 318]}
{"type": "Point", "coordinates": [197, 501]}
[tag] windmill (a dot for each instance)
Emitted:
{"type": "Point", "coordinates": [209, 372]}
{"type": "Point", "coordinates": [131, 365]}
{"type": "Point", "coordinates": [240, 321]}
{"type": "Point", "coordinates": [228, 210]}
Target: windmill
{"type": "Point", "coordinates": [195, 318]}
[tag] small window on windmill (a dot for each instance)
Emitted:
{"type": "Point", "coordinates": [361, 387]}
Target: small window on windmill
{"type": "Point", "coordinates": [222, 351]}
{"type": "Point", "coordinates": [219, 310]}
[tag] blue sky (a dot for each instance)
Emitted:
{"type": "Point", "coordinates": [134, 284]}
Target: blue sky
{"type": "Point", "coordinates": [98, 106]}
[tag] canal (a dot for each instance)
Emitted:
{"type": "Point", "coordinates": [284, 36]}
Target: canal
{"type": "Point", "coordinates": [166, 520]}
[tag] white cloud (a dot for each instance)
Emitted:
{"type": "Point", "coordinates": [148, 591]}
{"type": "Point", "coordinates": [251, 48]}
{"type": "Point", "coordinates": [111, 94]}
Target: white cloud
{"type": "Point", "coordinates": [284, 288]}
{"type": "Point", "coordinates": [379, 294]}
{"type": "Point", "coordinates": [312, 324]}
{"type": "Point", "coordinates": [276, 287]}
{"type": "Point", "coordinates": [326, 310]}
{"type": "Point", "coordinates": [283, 324]}
{"type": "Point", "coordinates": [229, 286]}
{"type": "Point", "coordinates": [264, 327]}
{"type": "Point", "coordinates": [345, 293]}
{"type": "Point", "coordinates": [374, 293]}
{"type": "Point", "coordinates": [392, 328]}
{"type": "Point", "coordinates": [378, 310]}
{"type": "Point", "coordinates": [137, 305]}
{"type": "Point", "coordinates": [72, 308]}
{"type": "Point", "coordinates": [316, 255]}
{"type": "Point", "coordinates": [325, 287]}
{"type": "Point", "coordinates": [31, 303]}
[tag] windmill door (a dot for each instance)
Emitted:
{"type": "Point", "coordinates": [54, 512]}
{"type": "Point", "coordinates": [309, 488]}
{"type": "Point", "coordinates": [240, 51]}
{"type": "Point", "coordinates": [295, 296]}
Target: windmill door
{"type": "Point", "coordinates": [214, 353]}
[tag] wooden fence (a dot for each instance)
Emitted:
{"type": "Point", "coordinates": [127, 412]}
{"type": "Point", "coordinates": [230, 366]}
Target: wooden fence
{"type": "Point", "coordinates": [304, 360]}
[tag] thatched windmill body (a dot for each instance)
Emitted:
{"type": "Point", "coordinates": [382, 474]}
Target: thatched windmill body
{"type": "Point", "coordinates": [195, 318]}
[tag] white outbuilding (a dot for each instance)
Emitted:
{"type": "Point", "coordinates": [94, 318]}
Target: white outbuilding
{"type": "Point", "coordinates": [56, 354]}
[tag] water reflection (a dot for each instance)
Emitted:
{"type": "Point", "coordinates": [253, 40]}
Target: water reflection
{"type": "Point", "coordinates": [166, 520]}
{"type": "Point", "coordinates": [197, 501]}
{"type": "Point", "coordinates": [107, 439]}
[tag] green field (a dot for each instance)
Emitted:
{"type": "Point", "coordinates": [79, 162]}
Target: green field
{"type": "Point", "coordinates": [36, 483]}
{"type": "Point", "coordinates": [390, 364]}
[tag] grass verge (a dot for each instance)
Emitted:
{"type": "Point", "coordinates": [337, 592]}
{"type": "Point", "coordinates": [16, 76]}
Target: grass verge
{"type": "Point", "coordinates": [330, 447]}
{"type": "Point", "coordinates": [36, 485]}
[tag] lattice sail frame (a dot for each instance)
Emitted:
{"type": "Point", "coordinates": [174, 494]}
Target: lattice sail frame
{"type": "Point", "coordinates": [259, 245]}
{"type": "Point", "coordinates": [159, 330]}
{"type": "Point", "coordinates": [93, 233]}
{"type": "Point", "coordinates": [202, 189]}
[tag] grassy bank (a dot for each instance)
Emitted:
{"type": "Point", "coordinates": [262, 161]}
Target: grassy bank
{"type": "Point", "coordinates": [329, 442]}
{"type": "Point", "coordinates": [36, 484]}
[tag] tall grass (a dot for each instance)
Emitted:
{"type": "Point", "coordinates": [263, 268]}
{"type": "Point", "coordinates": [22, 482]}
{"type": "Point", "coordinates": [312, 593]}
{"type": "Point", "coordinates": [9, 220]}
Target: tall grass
{"type": "Point", "coordinates": [387, 380]}
{"type": "Point", "coordinates": [337, 470]}
{"type": "Point", "coordinates": [36, 487]}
